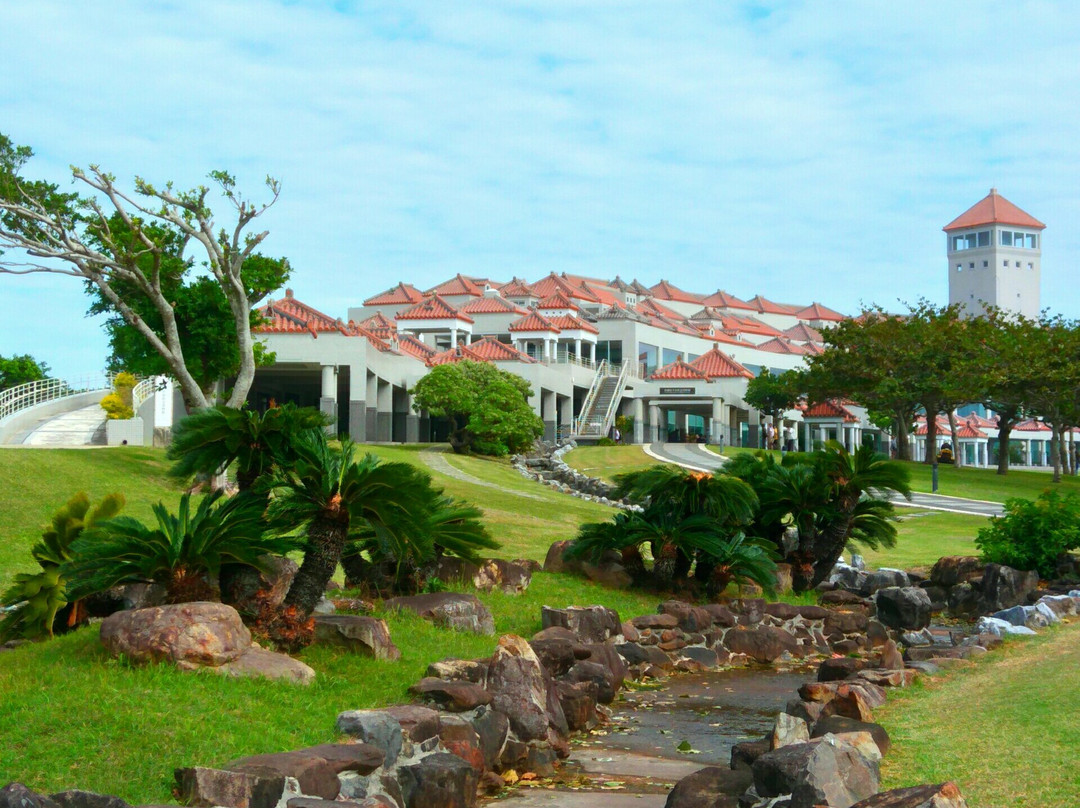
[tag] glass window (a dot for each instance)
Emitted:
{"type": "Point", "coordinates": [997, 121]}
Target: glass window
{"type": "Point", "coordinates": [959, 267]}
{"type": "Point", "coordinates": [984, 238]}
{"type": "Point", "coordinates": [1018, 265]}
{"type": "Point", "coordinates": [1006, 238]}
{"type": "Point", "coordinates": [648, 356]}
{"type": "Point", "coordinates": [670, 356]}
{"type": "Point", "coordinates": [986, 263]}
{"type": "Point", "coordinates": [1030, 241]}
{"type": "Point", "coordinates": [971, 265]}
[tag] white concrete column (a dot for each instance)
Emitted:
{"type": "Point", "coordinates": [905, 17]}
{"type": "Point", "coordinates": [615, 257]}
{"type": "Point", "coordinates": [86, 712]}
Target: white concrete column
{"type": "Point", "coordinates": [715, 425]}
{"type": "Point", "coordinates": [592, 352]}
{"type": "Point", "coordinates": [655, 415]}
{"type": "Point", "coordinates": [468, 337]}
{"type": "Point", "coordinates": [328, 398]}
{"type": "Point", "coordinates": [453, 338]}
{"type": "Point", "coordinates": [577, 349]}
{"type": "Point", "coordinates": [637, 412]}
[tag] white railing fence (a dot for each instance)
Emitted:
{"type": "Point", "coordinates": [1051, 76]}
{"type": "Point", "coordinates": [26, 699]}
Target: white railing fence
{"type": "Point", "coordinates": [144, 390]}
{"type": "Point", "coordinates": [590, 398]}
{"type": "Point", "coordinates": [31, 394]}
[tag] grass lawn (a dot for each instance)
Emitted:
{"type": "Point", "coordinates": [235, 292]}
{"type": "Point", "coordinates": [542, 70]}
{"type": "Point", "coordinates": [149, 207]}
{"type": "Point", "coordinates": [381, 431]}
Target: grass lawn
{"type": "Point", "coordinates": [987, 483]}
{"type": "Point", "coordinates": [607, 461]}
{"type": "Point", "coordinates": [1005, 730]}
{"type": "Point", "coordinates": [926, 536]}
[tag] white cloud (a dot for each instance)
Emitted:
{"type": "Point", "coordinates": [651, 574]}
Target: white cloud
{"type": "Point", "coordinates": [800, 150]}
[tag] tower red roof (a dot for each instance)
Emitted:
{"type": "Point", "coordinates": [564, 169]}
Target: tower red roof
{"type": "Point", "coordinates": [433, 308]}
{"type": "Point", "coordinates": [718, 365]}
{"type": "Point", "coordinates": [993, 209]}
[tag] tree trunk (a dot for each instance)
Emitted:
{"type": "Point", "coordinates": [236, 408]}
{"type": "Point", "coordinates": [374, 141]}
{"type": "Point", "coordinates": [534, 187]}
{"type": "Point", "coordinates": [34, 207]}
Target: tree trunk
{"type": "Point", "coordinates": [1055, 450]}
{"type": "Point", "coordinates": [1005, 426]}
{"type": "Point", "coordinates": [958, 460]}
{"type": "Point", "coordinates": [325, 545]}
{"type": "Point", "coordinates": [903, 438]}
{"type": "Point", "coordinates": [931, 438]}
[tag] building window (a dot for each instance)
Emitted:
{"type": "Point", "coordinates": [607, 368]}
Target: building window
{"type": "Point", "coordinates": [970, 241]}
{"type": "Point", "coordinates": [1018, 265]}
{"type": "Point", "coordinates": [971, 265]}
{"type": "Point", "coordinates": [1024, 241]}
{"type": "Point", "coordinates": [986, 264]}
{"type": "Point", "coordinates": [984, 238]}
{"type": "Point", "coordinates": [1005, 263]}
{"type": "Point", "coordinates": [959, 267]}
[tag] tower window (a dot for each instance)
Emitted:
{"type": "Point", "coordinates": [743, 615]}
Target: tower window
{"type": "Point", "coordinates": [1031, 265]}
{"type": "Point", "coordinates": [984, 238]}
{"type": "Point", "coordinates": [1018, 265]}
{"type": "Point", "coordinates": [959, 267]}
{"type": "Point", "coordinates": [1005, 263]}
{"type": "Point", "coordinates": [971, 265]}
{"type": "Point", "coordinates": [986, 264]}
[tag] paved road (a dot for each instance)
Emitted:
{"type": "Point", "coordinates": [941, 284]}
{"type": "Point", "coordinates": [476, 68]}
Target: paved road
{"type": "Point", "coordinates": [696, 457]}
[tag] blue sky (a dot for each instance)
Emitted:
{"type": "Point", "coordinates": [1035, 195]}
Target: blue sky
{"type": "Point", "coordinates": [804, 151]}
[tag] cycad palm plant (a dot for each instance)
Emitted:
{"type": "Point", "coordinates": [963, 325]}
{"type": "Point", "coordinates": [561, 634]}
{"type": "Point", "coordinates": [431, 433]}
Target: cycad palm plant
{"type": "Point", "coordinates": [207, 441]}
{"type": "Point", "coordinates": [334, 497]}
{"type": "Point", "coordinates": [184, 551]}
{"type": "Point", "coordinates": [35, 599]}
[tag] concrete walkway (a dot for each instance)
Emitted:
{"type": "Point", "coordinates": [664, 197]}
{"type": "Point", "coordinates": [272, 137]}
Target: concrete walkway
{"type": "Point", "coordinates": [82, 427]}
{"type": "Point", "coordinates": [697, 458]}
{"type": "Point", "coordinates": [435, 460]}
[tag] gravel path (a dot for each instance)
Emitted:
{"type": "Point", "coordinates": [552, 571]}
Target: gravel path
{"type": "Point", "coordinates": [434, 460]}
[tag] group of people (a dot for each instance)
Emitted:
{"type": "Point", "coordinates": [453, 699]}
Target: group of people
{"type": "Point", "coordinates": [780, 439]}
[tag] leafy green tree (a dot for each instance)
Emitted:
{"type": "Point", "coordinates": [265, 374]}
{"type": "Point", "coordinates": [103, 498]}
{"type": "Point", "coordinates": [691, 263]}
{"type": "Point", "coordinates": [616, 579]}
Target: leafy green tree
{"type": "Point", "coordinates": [1033, 534]}
{"type": "Point", "coordinates": [129, 248]}
{"type": "Point", "coordinates": [21, 369]}
{"type": "Point", "coordinates": [184, 551]}
{"type": "Point", "coordinates": [35, 599]}
{"type": "Point", "coordinates": [488, 408]}
{"type": "Point", "coordinates": [1054, 390]}
{"type": "Point", "coordinates": [208, 441]}
{"type": "Point", "coordinates": [774, 394]}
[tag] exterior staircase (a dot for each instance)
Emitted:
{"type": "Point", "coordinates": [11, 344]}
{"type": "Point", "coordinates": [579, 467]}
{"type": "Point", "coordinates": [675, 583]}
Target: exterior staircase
{"type": "Point", "coordinates": [602, 402]}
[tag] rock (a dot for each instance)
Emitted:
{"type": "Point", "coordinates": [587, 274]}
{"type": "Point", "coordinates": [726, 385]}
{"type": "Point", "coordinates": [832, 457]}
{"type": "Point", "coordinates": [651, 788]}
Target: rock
{"type": "Point", "coordinates": [916, 639]}
{"type": "Point", "coordinates": [554, 561]}
{"type": "Point", "coordinates": [607, 654]}
{"type": "Point", "coordinates": [999, 627]}
{"type": "Point", "coordinates": [374, 727]}
{"type": "Point", "coordinates": [190, 635]}
{"type": "Point", "coordinates": [458, 737]}
{"type": "Point", "coordinates": [963, 599]}
{"type": "Point", "coordinates": [808, 711]}
{"type": "Point", "coordinates": [256, 661]}
{"type": "Point", "coordinates": [367, 636]}
{"type": "Point", "coordinates": [247, 589]}
{"type": "Point", "coordinates": [840, 597]}
{"type": "Point", "coordinates": [861, 741]}
{"type": "Point", "coordinates": [744, 753]}
{"type": "Point", "coordinates": [839, 725]}
{"type": "Point", "coordinates": [451, 569]}
{"type": "Point", "coordinates": [821, 771]}
{"type": "Point", "coordinates": [459, 670]}
{"type": "Point", "coordinates": [943, 795]}
{"type": "Point", "coordinates": [886, 678]}
{"type": "Point", "coordinates": [599, 675]}
{"type": "Point", "coordinates": [440, 780]}
{"type": "Point", "coordinates": [906, 607]}
{"type": "Point", "coordinates": [16, 795]}
{"type": "Point", "coordinates": [751, 611]}
{"type": "Point", "coordinates": [589, 623]}
{"type": "Point", "coordinates": [635, 654]}
{"type": "Point", "coordinates": [578, 703]}
{"type": "Point", "coordinates": [507, 576]}
{"type": "Point", "coordinates": [952, 570]}
{"type": "Point", "coordinates": [835, 669]}
{"type": "Point", "coordinates": [655, 622]}
{"type": "Point", "coordinates": [316, 768]}
{"type": "Point", "coordinates": [85, 799]}
{"type": "Point", "coordinates": [705, 657]}
{"type": "Point", "coordinates": [324, 606]}
{"type": "Point", "coordinates": [202, 788]}
{"type": "Point", "coordinates": [851, 620]}
{"type": "Point", "coordinates": [629, 632]}
{"type": "Point", "coordinates": [1004, 587]}
{"type": "Point", "coordinates": [555, 654]}
{"type": "Point", "coordinates": [762, 643]}
{"type": "Point", "coordinates": [891, 658]}
{"type": "Point", "coordinates": [519, 688]}
{"type": "Point", "coordinates": [884, 578]}
{"type": "Point", "coordinates": [492, 730]}
{"type": "Point", "coordinates": [610, 574]}
{"type": "Point", "coordinates": [1060, 605]}
{"type": "Point", "coordinates": [455, 696]}
{"type": "Point", "coordinates": [788, 730]}
{"type": "Point", "coordinates": [691, 618]}
{"type": "Point", "coordinates": [721, 615]}
{"type": "Point", "coordinates": [708, 788]}
{"type": "Point", "coordinates": [417, 723]}
{"type": "Point", "coordinates": [448, 610]}
{"type": "Point", "coordinates": [315, 802]}
{"type": "Point", "coordinates": [784, 581]}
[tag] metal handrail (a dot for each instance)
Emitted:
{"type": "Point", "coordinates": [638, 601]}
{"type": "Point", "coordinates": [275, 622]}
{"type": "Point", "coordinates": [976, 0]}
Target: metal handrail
{"type": "Point", "coordinates": [142, 391]}
{"type": "Point", "coordinates": [590, 397]}
{"type": "Point", "coordinates": [31, 394]}
{"type": "Point", "coordinates": [613, 405]}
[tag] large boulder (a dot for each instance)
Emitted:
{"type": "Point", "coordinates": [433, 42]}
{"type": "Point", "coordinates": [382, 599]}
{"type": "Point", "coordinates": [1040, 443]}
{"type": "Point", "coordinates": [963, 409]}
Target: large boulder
{"type": "Point", "coordinates": [375, 727]}
{"type": "Point", "coordinates": [903, 607]}
{"type": "Point", "coordinates": [417, 723]}
{"type": "Point", "coordinates": [508, 576]}
{"type": "Point", "coordinates": [440, 780]}
{"type": "Point", "coordinates": [823, 771]}
{"type": "Point", "coordinates": [708, 788]}
{"type": "Point", "coordinates": [201, 787]}
{"type": "Point", "coordinates": [455, 696]}
{"type": "Point", "coordinates": [948, 571]}
{"type": "Point", "coordinates": [882, 579]}
{"type": "Point", "coordinates": [691, 618]}
{"type": "Point", "coordinates": [190, 635]}
{"type": "Point", "coordinates": [942, 795]}
{"type": "Point", "coordinates": [1003, 587]}
{"type": "Point", "coordinates": [554, 561]}
{"type": "Point", "coordinates": [16, 795]}
{"type": "Point", "coordinates": [449, 610]}
{"type": "Point", "coordinates": [839, 725]}
{"type": "Point", "coordinates": [316, 768]}
{"type": "Point", "coordinates": [75, 798]}
{"type": "Point", "coordinates": [261, 663]}
{"type": "Point", "coordinates": [367, 636]}
{"type": "Point", "coordinates": [520, 688]}
{"type": "Point", "coordinates": [761, 643]}
{"type": "Point", "coordinates": [589, 623]}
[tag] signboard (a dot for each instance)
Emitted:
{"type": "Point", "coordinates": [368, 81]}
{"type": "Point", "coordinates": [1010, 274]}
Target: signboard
{"type": "Point", "coordinates": [677, 391]}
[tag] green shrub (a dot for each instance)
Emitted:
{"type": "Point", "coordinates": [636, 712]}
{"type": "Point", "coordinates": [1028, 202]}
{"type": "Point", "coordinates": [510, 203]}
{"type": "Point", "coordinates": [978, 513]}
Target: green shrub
{"type": "Point", "coordinates": [605, 442]}
{"type": "Point", "coordinates": [116, 409]}
{"type": "Point", "coordinates": [1033, 533]}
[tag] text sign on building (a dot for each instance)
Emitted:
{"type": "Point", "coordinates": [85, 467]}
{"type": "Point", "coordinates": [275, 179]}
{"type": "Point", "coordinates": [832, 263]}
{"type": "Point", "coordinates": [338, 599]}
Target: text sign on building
{"type": "Point", "coordinates": [677, 391]}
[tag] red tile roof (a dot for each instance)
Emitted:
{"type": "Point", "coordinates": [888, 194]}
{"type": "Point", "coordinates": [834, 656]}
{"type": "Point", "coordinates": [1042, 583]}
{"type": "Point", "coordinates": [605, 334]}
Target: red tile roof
{"type": "Point", "coordinates": [491, 304]}
{"type": "Point", "coordinates": [813, 348]}
{"type": "Point", "coordinates": [650, 306]}
{"type": "Point", "coordinates": [752, 325]}
{"type": "Point", "coordinates": [568, 322]}
{"type": "Point", "coordinates": [489, 349]}
{"type": "Point", "coordinates": [779, 345]}
{"type": "Point", "coordinates": [517, 288]}
{"type": "Point", "coordinates": [533, 321]}
{"type": "Point", "coordinates": [457, 285]}
{"type": "Point", "coordinates": [1032, 425]}
{"type": "Point", "coordinates": [993, 209]}
{"type": "Point", "coordinates": [553, 283]}
{"type": "Point", "coordinates": [667, 291]}
{"type": "Point", "coordinates": [718, 365]}
{"type": "Point", "coordinates": [558, 300]}
{"type": "Point", "coordinates": [399, 295]}
{"type": "Point", "coordinates": [766, 306]}
{"type": "Point", "coordinates": [679, 371]}
{"type": "Point", "coordinates": [601, 292]}
{"type": "Point", "coordinates": [830, 409]}
{"type": "Point", "coordinates": [290, 316]}
{"type": "Point", "coordinates": [801, 332]}
{"type": "Point", "coordinates": [378, 324]}
{"type": "Point", "coordinates": [966, 431]}
{"type": "Point", "coordinates": [433, 308]}
{"type": "Point", "coordinates": [409, 344]}
{"type": "Point", "coordinates": [815, 311]}
{"type": "Point", "coordinates": [723, 300]}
